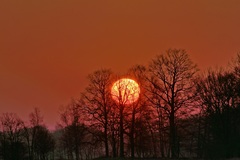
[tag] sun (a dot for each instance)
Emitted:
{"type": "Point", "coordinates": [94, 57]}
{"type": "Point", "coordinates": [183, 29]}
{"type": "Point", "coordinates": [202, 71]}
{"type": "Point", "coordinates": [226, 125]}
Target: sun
{"type": "Point", "coordinates": [125, 91]}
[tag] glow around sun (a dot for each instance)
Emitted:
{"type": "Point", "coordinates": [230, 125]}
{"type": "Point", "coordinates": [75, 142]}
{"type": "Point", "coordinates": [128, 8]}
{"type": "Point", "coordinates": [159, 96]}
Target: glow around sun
{"type": "Point", "coordinates": [125, 91]}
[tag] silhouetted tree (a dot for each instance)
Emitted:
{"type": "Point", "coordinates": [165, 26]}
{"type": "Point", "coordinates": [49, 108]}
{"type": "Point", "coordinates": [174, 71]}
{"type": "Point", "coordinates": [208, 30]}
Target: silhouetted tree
{"type": "Point", "coordinates": [44, 142]}
{"type": "Point", "coordinates": [98, 102]}
{"type": "Point", "coordinates": [188, 135]}
{"type": "Point", "coordinates": [136, 111]}
{"type": "Point", "coordinates": [30, 131]}
{"type": "Point", "coordinates": [114, 130]}
{"type": "Point", "coordinates": [124, 94]}
{"type": "Point", "coordinates": [159, 124]}
{"type": "Point", "coordinates": [12, 145]}
{"type": "Point", "coordinates": [219, 97]}
{"type": "Point", "coordinates": [143, 143]}
{"type": "Point", "coordinates": [171, 75]}
{"type": "Point", "coordinates": [73, 129]}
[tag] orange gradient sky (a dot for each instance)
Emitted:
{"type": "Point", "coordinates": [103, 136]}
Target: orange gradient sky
{"type": "Point", "coordinates": [48, 47]}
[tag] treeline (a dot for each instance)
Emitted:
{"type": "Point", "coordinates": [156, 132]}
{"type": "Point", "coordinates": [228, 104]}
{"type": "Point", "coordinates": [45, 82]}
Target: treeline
{"type": "Point", "coordinates": [25, 140]}
{"type": "Point", "coordinates": [180, 113]}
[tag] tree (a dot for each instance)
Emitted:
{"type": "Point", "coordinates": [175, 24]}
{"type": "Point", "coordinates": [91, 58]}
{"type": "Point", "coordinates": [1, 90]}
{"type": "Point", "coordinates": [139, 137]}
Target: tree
{"type": "Point", "coordinates": [44, 142]}
{"type": "Point", "coordinates": [125, 92]}
{"type": "Point", "coordinates": [98, 102]}
{"type": "Point", "coordinates": [12, 144]}
{"type": "Point", "coordinates": [35, 120]}
{"type": "Point", "coordinates": [137, 111]}
{"type": "Point", "coordinates": [159, 124]}
{"type": "Point", "coordinates": [219, 98]}
{"type": "Point", "coordinates": [171, 76]}
{"type": "Point", "coordinates": [74, 130]}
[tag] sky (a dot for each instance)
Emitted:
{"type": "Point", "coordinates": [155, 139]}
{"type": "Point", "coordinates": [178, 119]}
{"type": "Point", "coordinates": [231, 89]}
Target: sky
{"type": "Point", "coordinates": [48, 47]}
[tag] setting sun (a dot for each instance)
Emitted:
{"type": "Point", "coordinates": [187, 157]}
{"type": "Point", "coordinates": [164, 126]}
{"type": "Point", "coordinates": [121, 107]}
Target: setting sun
{"type": "Point", "coordinates": [125, 91]}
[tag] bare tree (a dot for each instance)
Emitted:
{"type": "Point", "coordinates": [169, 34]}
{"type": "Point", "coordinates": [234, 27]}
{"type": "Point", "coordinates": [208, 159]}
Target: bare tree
{"type": "Point", "coordinates": [219, 98]}
{"type": "Point", "coordinates": [12, 137]}
{"type": "Point", "coordinates": [125, 92]}
{"type": "Point", "coordinates": [171, 77]}
{"type": "Point", "coordinates": [160, 118]}
{"type": "Point", "coordinates": [218, 90]}
{"type": "Point", "coordinates": [138, 110]}
{"type": "Point", "coordinates": [98, 102]}
{"type": "Point", "coordinates": [35, 120]}
{"type": "Point", "coordinates": [74, 130]}
{"type": "Point", "coordinates": [44, 142]}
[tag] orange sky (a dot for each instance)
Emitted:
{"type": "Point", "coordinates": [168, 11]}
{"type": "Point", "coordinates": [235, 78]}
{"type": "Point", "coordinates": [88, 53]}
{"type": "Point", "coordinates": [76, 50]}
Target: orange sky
{"type": "Point", "coordinates": [48, 47]}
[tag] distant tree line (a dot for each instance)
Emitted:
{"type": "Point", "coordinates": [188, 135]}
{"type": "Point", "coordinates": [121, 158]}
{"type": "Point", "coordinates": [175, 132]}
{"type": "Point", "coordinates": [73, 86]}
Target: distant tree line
{"type": "Point", "coordinates": [180, 113]}
{"type": "Point", "coordinates": [30, 140]}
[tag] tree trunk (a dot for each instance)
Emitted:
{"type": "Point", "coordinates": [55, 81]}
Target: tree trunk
{"type": "Point", "coordinates": [106, 140]}
{"type": "Point", "coordinates": [172, 135]}
{"type": "Point", "coordinates": [132, 134]}
{"type": "Point", "coordinates": [114, 144]}
{"type": "Point", "coordinates": [160, 131]}
{"type": "Point", "coordinates": [121, 133]}
{"type": "Point", "coordinates": [77, 152]}
{"type": "Point", "coordinates": [76, 142]}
